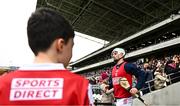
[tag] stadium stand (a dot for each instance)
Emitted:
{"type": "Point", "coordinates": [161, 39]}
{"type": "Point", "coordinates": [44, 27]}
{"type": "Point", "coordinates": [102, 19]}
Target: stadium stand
{"type": "Point", "coordinates": [148, 30]}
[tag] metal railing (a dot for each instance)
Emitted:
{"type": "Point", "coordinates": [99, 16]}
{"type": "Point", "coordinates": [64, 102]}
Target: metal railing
{"type": "Point", "coordinates": [173, 78]}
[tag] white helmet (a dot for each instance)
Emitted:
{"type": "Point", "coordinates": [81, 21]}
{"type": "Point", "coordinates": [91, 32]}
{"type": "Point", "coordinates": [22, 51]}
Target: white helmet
{"type": "Point", "coordinates": [119, 50]}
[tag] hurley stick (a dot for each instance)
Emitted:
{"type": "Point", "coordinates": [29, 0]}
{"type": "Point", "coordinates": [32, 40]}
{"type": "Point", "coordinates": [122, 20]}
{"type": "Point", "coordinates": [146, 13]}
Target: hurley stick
{"type": "Point", "coordinates": [125, 84]}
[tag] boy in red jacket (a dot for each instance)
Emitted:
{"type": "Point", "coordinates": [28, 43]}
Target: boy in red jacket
{"type": "Point", "coordinates": [47, 81]}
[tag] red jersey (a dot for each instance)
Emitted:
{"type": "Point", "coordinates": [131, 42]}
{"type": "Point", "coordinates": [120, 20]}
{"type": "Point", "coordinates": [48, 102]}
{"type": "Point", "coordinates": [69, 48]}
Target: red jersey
{"type": "Point", "coordinates": [120, 92]}
{"type": "Point", "coordinates": [43, 87]}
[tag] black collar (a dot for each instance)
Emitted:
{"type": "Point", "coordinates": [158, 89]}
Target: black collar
{"type": "Point", "coordinates": [118, 65]}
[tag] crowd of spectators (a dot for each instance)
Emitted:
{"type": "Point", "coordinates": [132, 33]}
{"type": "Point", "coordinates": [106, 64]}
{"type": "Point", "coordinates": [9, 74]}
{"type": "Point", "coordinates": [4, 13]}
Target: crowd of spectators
{"type": "Point", "coordinates": [157, 72]}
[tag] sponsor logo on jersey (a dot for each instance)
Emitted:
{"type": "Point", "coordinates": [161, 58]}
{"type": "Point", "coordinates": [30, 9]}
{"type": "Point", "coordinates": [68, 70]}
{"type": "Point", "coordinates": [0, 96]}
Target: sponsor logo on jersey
{"type": "Point", "coordinates": [116, 80]}
{"type": "Point", "coordinates": [36, 89]}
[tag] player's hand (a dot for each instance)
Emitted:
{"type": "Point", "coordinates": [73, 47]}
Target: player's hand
{"type": "Point", "coordinates": [133, 91]}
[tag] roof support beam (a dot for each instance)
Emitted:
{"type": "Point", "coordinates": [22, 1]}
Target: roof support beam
{"type": "Point", "coordinates": [101, 34]}
{"type": "Point", "coordinates": [107, 29]}
{"type": "Point", "coordinates": [162, 4]}
{"type": "Point", "coordinates": [138, 8]}
{"type": "Point", "coordinates": [82, 11]}
{"type": "Point", "coordinates": [51, 5]}
{"type": "Point", "coordinates": [126, 19]}
{"type": "Point", "coordinates": [148, 4]}
{"type": "Point", "coordinates": [60, 3]}
{"type": "Point", "coordinates": [118, 13]}
{"type": "Point", "coordinates": [110, 29]}
{"type": "Point", "coordinates": [97, 21]}
{"type": "Point", "coordinates": [97, 15]}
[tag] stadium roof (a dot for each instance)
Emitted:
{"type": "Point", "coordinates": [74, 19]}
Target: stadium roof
{"type": "Point", "coordinates": [112, 20]}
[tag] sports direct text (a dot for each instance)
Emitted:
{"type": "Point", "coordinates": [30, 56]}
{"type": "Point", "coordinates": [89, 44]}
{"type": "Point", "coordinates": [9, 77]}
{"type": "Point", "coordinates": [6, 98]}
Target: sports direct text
{"type": "Point", "coordinates": [36, 89]}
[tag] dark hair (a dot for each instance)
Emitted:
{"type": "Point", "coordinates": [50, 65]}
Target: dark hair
{"type": "Point", "coordinates": [45, 26]}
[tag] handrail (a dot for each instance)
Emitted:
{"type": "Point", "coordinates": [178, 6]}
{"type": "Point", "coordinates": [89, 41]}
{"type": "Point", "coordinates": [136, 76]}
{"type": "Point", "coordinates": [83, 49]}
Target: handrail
{"type": "Point", "coordinates": [150, 87]}
{"type": "Point", "coordinates": [169, 76]}
{"type": "Point", "coordinates": [147, 82]}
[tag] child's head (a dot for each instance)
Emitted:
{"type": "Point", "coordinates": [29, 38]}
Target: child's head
{"type": "Point", "coordinates": [49, 33]}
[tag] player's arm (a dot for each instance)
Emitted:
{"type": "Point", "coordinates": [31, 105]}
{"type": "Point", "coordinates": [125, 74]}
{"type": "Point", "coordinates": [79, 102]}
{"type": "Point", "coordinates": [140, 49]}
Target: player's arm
{"type": "Point", "coordinates": [138, 73]}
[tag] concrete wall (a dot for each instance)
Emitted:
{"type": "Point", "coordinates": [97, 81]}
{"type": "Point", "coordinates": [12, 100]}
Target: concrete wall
{"type": "Point", "coordinates": [169, 96]}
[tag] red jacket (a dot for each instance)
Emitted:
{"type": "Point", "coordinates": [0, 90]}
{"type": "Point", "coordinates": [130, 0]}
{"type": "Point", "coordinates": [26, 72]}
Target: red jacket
{"type": "Point", "coordinates": [120, 92]}
{"type": "Point", "coordinates": [49, 87]}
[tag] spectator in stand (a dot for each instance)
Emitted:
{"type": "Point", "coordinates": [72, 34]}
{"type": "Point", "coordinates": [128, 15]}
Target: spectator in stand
{"type": "Point", "coordinates": [149, 73]}
{"type": "Point", "coordinates": [175, 76]}
{"type": "Point", "coordinates": [177, 61]}
{"type": "Point", "coordinates": [92, 80]}
{"type": "Point", "coordinates": [170, 66]}
{"type": "Point", "coordinates": [107, 95]}
{"type": "Point", "coordinates": [148, 77]}
{"type": "Point", "coordinates": [160, 77]}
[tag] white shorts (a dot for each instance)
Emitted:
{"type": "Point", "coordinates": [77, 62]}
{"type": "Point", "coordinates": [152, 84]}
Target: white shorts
{"type": "Point", "coordinates": [124, 102]}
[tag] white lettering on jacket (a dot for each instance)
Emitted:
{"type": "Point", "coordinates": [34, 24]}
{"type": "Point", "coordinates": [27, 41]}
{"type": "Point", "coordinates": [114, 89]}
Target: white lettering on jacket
{"type": "Point", "coordinates": [36, 89]}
